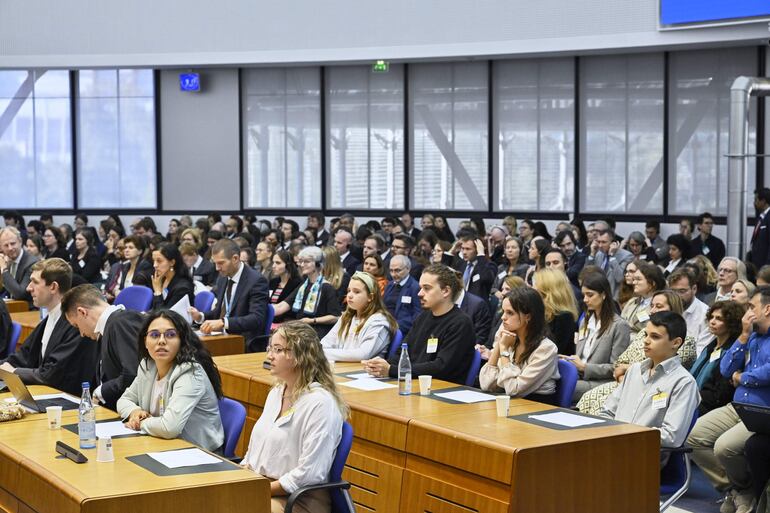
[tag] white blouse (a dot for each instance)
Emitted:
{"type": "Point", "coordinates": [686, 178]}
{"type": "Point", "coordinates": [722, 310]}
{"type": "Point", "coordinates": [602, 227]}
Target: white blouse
{"type": "Point", "coordinates": [537, 375]}
{"type": "Point", "coordinates": [298, 448]}
{"type": "Point", "coordinates": [372, 340]}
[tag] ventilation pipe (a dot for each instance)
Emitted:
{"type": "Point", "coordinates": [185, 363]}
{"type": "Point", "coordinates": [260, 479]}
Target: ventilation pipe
{"type": "Point", "coordinates": [740, 93]}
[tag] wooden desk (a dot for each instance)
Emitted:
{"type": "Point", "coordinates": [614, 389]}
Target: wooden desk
{"type": "Point", "coordinates": [417, 454]}
{"type": "Point", "coordinates": [16, 305]}
{"type": "Point", "coordinates": [32, 478]}
{"type": "Point", "coordinates": [28, 320]}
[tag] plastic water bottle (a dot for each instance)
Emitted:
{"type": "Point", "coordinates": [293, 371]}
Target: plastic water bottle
{"type": "Point", "coordinates": [404, 372]}
{"type": "Point", "coordinates": [86, 419]}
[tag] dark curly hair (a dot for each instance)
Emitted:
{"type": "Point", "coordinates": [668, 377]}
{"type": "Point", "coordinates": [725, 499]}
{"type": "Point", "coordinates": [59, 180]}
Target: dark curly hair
{"type": "Point", "coordinates": [732, 313]}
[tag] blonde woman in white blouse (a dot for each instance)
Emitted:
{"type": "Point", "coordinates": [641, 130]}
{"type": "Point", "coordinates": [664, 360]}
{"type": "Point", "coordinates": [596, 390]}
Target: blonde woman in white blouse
{"type": "Point", "coordinates": [294, 441]}
{"type": "Point", "coordinates": [523, 361]}
{"type": "Point", "coordinates": [366, 327]}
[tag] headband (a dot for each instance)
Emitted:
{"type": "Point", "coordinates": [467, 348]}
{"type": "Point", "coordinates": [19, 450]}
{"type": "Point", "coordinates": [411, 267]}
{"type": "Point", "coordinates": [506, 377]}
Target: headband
{"type": "Point", "coordinates": [366, 278]}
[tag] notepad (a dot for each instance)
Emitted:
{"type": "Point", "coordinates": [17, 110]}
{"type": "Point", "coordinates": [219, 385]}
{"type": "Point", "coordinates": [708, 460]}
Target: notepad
{"type": "Point", "coordinates": [114, 428]}
{"type": "Point", "coordinates": [465, 396]}
{"type": "Point", "coordinates": [368, 384]}
{"type": "Point", "coordinates": [563, 418]}
{"type": "Point", "coordinates": [184, 458]}
{"type": "Point", "coordinates": [359, 375]}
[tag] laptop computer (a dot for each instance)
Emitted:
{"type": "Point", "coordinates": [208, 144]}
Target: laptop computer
{"type": "Point", "coordinates": [24, 397]}
{"type": "Point", "coordinates": [755, 417]}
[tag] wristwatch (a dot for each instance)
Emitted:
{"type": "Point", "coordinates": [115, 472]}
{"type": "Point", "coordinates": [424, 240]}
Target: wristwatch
{"type": "Point", "coordinates": [507, 354]}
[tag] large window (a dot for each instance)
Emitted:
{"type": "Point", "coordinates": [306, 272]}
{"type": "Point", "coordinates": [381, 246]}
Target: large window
{"type": "Point", "coordinates": [35, 139]}
{"type": "Point", "coordinates": [534, 122]}
{"type": "Point", "coordinates": [365, 141]}
{"type": "Point", "coordinates": [449, 150]}
{"type": "Point", "coordinates": [116, 139]}
{"type": "Point", "coordinates": [282, 137]}
{"type": "Point", "coordinates": [699, 115]}
{"type": "Point", "coordinates": [622, 134]}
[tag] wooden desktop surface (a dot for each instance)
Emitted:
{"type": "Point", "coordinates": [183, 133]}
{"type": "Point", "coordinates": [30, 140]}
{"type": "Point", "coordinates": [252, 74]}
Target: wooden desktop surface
{"type": "Point", "coordinates": [32, 478]}
{"type": "Point", "coordinates": [418, 454]}
{"type": "Point", "coordinates": [16, 305]}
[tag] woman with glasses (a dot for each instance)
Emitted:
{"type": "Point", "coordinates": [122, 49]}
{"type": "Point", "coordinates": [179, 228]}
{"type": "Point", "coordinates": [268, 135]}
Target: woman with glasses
{"type": "Point", "coordinates": [53, 244]}
{"type": "Point", "coordinates": [514, 264]}
{"type": "Point", "coordinates": [264, 253]}
{"type": "Point", "coordinates": [647, 280]}
{"type": "Point", "coordinates": [177, 388]}
{"type": "Point", "coordinates": [636, 243]}
{"type": "Point", "coordinates": [626, 292]}
{"type": "Point", "coordinates": [294, 441]}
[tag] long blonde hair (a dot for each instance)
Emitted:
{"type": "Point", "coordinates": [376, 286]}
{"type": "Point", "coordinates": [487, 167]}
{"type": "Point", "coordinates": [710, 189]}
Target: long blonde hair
{"type": "Point", "coordinates": [332, 271]}
{"type": "Point", "coordinates": [375, 306]}
{"type": "Point", "coordinates": [557, 293]}
{"type": "Point", "coordinates": [311, 363]}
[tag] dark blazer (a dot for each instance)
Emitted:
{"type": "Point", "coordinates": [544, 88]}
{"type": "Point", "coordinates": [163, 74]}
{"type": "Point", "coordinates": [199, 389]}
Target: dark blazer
{"type": "Point", "coordinates": [88, 267]}
{"type": "Point", "coordinates": [206, 273]}
{"type": "Point", "coordinates": [142, 274]}
{"type": "Point", "coordinates": [322, 239]}
{"type": "Point", "coordinates": [713, 248]}
{"type": "Point", "coordinates": [350, 263]}
{"type": "Point", "coordinates": [292, 284]}
{"type": "Point", "coordinates": [404, 311]}
{"type": "Point", "coordinates": [249, 308]}
{"type": "Point", "coordinates": [482, 277]}
{"type": "Point", "coordinates": [179, 286]}
{"type": "Point", "coordinates": [760, 243]}
{"type": "Point", "coordinates": [69, 359]}
{"type": "Point", "coordinates": [575, 264]}
{"type": "Point", "coordinates": [59, 253]}
{"type": "Point", "coordinates": [16, 286]}
{"type": "Point", "coordinates": [417, 268]}
{"type": "Point", "coordinates": [118, 359]}
{"type": "Point", "coordinates": [478, 310]}
{"type": "Point", "coordinates": [5, 329]}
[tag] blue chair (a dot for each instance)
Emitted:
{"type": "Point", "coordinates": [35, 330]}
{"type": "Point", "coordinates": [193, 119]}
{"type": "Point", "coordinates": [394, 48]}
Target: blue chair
{"type": "Point", "coordinates": [395, 344]}
{"type": "Point", "coordinates": [566, 384]}
{"type": "Point", "coordinates": [338, 489]}
{"type": "Point", "coordinates": [204, 300]}
{"type": "Point", "coordinates": [473, 372]}
{"type": "Point", "coordinates": [675, 476]}
{"type": "Point", "coordinates": [233, 416]}
{"type": "Point", "coordinates": [269, 319]}
{"type": "Point", "coordinates": [135, 297]}
{"type": "Point", "coordinates": [15, 335]}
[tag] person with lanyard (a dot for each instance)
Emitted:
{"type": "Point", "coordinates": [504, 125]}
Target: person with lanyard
{"type": "Point", "coordinates": [719, 437]}
{"type": "Point", "coordinates": [171, 281]}
{"type": "Point", "coordinates": [315, 301]}
{"type": "Point", "coordinates": [440, 342]}
{"type": "Point", "coordinates": [647, 280]}
{"type": "Point", "coordinates": [285, 279]}
{"type": "Point", "coordinates": [706, 243]}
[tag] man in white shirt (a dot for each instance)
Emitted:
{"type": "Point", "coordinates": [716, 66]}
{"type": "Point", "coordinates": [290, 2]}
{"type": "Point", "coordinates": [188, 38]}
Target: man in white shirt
{"type": "Point", "coordinates": [54, 354]}
{"type": "Point", "coordinates": [683, 283]}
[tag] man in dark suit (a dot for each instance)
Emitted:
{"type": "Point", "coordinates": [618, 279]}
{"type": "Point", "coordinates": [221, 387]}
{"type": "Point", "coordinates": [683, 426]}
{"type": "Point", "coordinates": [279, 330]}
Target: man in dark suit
{"type": "Point", "coordinates": [241, 298]}
{"type": "Point", "coordinates": [403, 245]}
{"type": "Point", "coordinates": [54, 354]}
{"type": "Point", "coordinates": [576, 259]}
{"type": "Point", "coordinates": [705, 243]}
{"type": "Point", "coordinates": [478, 310]}
{"type": "Point", "coordinates": [200, 269]}
{"type": "Point", "coordinates": [400, 295]}
{"type": "Point", "coordinates": [759, 254]}
{"type": "Point", "coordinates": [315, 223]}
{"type": "Point", "coordinates": [115, 331]}
{"type": "Point", "coordinates": [409, 228]}
{"type": "Point", "coordinates": [478, 273]}
{"type": "Point", "coordinates": [343, 240]}
{"type": "Point", "coordinates": [15, 264]}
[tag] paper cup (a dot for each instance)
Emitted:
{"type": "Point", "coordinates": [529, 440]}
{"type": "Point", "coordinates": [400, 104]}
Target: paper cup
{"type": "Point", "coordinates": [104, 449]}
{"type": "Point", "coordinates": [424, 384]}
{"type": "Point", "coordinates": [54, 417]}
{"type": "Point", "coordinates": [502, 402]}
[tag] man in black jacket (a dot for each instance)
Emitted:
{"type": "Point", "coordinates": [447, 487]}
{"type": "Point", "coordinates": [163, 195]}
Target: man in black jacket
{"type": "Point", "coordinates": [478, 273]}
{"type": "Point", "coordinates": [241, 298]}
{"type": "Point", "coordinates": [15, 265]}
{"type": "Point", "coordinates": [54, 354]}
{"type": "Point", "coordinates": [115, 330]}
{"type": "Point", "coordinates": [760, 238]}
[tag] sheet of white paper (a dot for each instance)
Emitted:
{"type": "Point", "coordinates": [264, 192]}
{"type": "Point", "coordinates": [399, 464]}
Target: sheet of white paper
{"type": "Point", "coordinates": [201, 334]}
{"type": "Point", "coordinates": [466, 396]}
{"type": "Point", "coordinates": [183, 458]}
{"type": "Point", "coordinates": [115, 428]}
{"type": "Point", "coordinates": [181, 307]}
{"type": "Point", "coordinates": [359, 375]}
{"type": "Point", "coordinates": [562, 418]}
{"type": "Point", "coordinates": [368, 384]}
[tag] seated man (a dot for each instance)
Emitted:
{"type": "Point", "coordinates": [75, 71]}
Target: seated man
{"type": "Point", "coordinates": [116, 332]}
{"type": "Point", "coordinates": [15, 265]}
{"type": "Point", "coordinates": [54, 354]}
{"type": "Point", "coordinates": [241, 298]}
{"type": "Point", "coordinates": [401, 294]}
{"type": "Point", "coordinates": [441, 340]}
{"type": "Point", "coordinates": [658, 392]}
{"type": "Point", "coordinates": [200, 270]}
{"type": "Point", "coordinates": [478, 310]}
{"type": "Point", "coordinates": [478, 273]}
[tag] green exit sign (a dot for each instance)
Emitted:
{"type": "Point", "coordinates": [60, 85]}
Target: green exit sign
{"type": "Point", "coordinates": [380, 67]}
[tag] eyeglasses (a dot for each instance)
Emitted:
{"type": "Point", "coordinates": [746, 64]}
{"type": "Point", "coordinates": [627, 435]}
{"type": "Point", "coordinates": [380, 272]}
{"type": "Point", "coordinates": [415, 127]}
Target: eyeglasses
{"type": "Point", "coordinates": [155, 335]}
{"type": "Point", "coordinates": [396, 270]}
{"type": "Point", "coordinates": [306, 261]}
{"type": "Point", "coordinates": [278, 350]}
{"type": "Point", "coordinates": [725, 270]}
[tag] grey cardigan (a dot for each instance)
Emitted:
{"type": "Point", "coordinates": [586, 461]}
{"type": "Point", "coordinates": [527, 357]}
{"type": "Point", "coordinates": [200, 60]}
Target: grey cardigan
{"type": "Point", "coordinates": [192, 408]}
{"type": "Point", "coordinates": [605, 351]}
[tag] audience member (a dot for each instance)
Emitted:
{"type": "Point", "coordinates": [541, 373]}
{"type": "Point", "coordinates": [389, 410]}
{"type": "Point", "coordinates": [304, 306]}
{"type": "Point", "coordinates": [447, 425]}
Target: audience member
{"type": "Point", "coordinates": [265, 252]}
{"type": "Point", "coordinates": [401, 294]}
{"type": "Point", "coordinates": [637, 245]}
{"type": "Point", "coordinates": [34, 245]}
{"type": "Point", "coordinates": [706, 243]}
{"type": "Point", "coordinates": [285, 279]}
{"type": "Point", "coordinates": [759, 254]}
{"type": "Point", "coordinates": [678, 252]}
{"type": "Point", "coordinates": [741, 291]}
{"type": "Point", "coordinates": [334, 273]}
{"type": "Point", "coordinates": [682, 282]}
{"type": "Point", "coordinates": [374, 266]}
{"type": "Point", "coordinates": [648, 279]}
{"type": "Point", "coordinates": [605, 253]}
{"type": "Point", "coordinates": [730, 270]}
{"type": "Point", "coordinates": [5, 329]}
{"type": "Point", "coordinates": [656, 242]}
{"type": "Point", "coordinates": [343, 240]}
{"type": "Point", "coordinates": [15, 264]}
{"type": "Point", "coordinates": [53, 244]}
{"type": "Point", "coordinates": [316, 222]}
{"type": "Point", "coordinates": [201, 270]}
{"type": "Point", "coordinates": [86, 262]}
{"type": "Point", "coordinates": [561, 311]}
{"type": "Point", "coordinates": [170, 281]}
{"type": "Point", "coordinates": [478, 273]}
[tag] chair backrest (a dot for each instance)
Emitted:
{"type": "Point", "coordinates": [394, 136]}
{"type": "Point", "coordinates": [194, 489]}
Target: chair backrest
{"type": "Point", "coordinates": [135, 297]}
{"type": "Point", "coordinates": [473, 371]}
{"type": "Point", "coordinates": [335, 473]}
{"type": "Point", "coordinates": [269, 319]}
{"type": "Point", "coordinates": [204, 300]}
{"type": "Point", "coordinates": [15, 335]}
{"type": "Point", "coordinates": [673, 475]}
{"type": "Point", "coordinates": [565, 387]}
{"type": "Point", "coordinates": [395, 344]}
{"type": "Point", "coordinates": [233, 416]}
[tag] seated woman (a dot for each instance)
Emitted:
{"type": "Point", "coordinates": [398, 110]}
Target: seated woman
{"type": "Point", "coordinates": [523, 361]}
{"type": "Point", "coordinates": [678, 249]}
{"type": "Point", "coordinates": [315, 301]}
{"type": "Point", "coordinates": [724, 323]}
{"type": "Point", "coordinates": [366, 327]}
{"type": "Point", "coordinates": [647, 280]}
{"type": "Point", "coordinates": [85, 261]}
{"type": "Point", "coordinates": [177, 388]}
{"type": "Point", "coordinates": [294, 442]}
{"type": "Point", "coordinates": [602, 335]}
{"type": "Point", "coordinates": [513, 265]}
{"type": "Point", "coordinates": [374, 266]}
{"type": "Point", "coordinates": [171, 279]}
{"type": "Point", "coordinates": [285, 279]}
{"type": "Point", "coordinates": [54, 246]}
{"type": "Point", "coordinates": [742, 291]}
{"type": "Point", "coordinates": [561, 310]}
{"type": "Point", "coordinates": [663, 301]}
{"type": "Point", "coordinates": [334, 273]}
{"type": "Point", "coordinates": [626, 292]}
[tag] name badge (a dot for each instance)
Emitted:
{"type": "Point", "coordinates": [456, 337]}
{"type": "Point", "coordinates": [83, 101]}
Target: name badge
{"type": "Point", "coordinates": [476, 277]}
{"type": "Point", "coordinates": [715, 355]}
{"type": "Point", "coordinates": [407, 300]}
{"type": "Point", "coordinates": [501, 274]}
{"type": "Point", "coordinates": [706, 250]}
{"type": "Point", "coordinates": [659, 400]}
{"type": "Point", "coordinates": [432, 345]}
{"type": "Point", "coordinates": [643, 316]}
{"type": "Point", "coordinates": [269, 293]}
{"type": "Point", "coordinates": [82, 263]}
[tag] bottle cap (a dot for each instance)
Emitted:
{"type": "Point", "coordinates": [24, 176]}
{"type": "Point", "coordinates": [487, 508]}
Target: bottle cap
{"type": "Point", "coordinates": [86, 384]}
{"type": "Point", "coordinates": [403, 345]}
